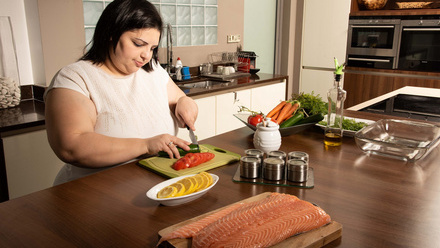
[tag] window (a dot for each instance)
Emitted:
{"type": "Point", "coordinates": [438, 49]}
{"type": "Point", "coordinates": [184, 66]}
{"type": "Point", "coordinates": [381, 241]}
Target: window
{"type": "Point", "coordinates": [194, 22]}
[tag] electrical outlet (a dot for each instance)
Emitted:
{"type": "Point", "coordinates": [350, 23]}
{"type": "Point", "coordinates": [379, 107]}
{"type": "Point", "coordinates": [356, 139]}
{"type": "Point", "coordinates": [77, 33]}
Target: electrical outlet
{"type": "Point", "coordinates": [233, 38]}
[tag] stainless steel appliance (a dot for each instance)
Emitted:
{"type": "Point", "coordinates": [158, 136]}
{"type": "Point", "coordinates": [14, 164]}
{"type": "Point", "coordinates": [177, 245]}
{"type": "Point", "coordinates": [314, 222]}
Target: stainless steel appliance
{"type": "Point", "coordinates": [373, 43]}
{"type": "Point", "coordinates": [420, 45]}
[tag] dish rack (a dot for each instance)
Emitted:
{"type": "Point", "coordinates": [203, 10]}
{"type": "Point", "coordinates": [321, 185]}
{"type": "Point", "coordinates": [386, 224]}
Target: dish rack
{"type": "Point", "coordinates": [243, 61]}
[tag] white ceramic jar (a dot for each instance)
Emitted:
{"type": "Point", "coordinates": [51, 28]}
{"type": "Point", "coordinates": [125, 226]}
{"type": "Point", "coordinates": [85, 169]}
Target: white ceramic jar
{"type": "Point", "coordinates": [267, 138]}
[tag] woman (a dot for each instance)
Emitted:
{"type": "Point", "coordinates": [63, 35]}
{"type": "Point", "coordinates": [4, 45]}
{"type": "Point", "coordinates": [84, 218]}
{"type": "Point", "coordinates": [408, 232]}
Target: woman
{"type": "Point", "coordinates": [116, 103]}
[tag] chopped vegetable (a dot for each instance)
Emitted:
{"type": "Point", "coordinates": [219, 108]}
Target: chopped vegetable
{"type": "Point", "coordinates": [349, 124]}
{"type": "Point", "coordinates": [192, 159]}
{"type": "Point", "coordinates": [193, 148]}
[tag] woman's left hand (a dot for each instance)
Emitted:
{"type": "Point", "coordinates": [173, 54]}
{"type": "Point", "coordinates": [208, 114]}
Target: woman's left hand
{"type": "Point", "coordinates": [186, 112]}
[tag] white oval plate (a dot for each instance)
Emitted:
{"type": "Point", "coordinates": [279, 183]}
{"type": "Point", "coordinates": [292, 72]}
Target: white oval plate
{"type": "Point", "coordinates": [174, 201]}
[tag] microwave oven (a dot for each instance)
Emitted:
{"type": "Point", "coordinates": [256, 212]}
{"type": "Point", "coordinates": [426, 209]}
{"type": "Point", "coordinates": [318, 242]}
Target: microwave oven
{"type": "Point", "coordinates": [373, 43]}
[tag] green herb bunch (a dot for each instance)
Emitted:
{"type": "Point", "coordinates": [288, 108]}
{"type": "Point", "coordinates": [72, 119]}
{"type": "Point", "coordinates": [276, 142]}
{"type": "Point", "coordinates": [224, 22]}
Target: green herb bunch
{"type": "Point", "coordinates": [311, 103]}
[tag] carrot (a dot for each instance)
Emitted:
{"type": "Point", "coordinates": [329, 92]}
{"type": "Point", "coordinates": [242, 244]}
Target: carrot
{"type": "Point", "coordinates": [276, 109]}
{"type": "Point", "coordinates": [274, 118]}
{"type": "Point", "coordinates": [288, 112]}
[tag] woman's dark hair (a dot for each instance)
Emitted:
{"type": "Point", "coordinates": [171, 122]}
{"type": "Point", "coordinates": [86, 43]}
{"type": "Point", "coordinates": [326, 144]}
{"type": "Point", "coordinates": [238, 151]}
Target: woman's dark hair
{"type": "Point", "coordinates": [118, 17]}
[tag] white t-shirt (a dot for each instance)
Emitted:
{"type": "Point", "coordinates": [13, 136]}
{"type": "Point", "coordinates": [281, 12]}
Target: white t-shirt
{"type": "Point", "coordinates": [134, 106]}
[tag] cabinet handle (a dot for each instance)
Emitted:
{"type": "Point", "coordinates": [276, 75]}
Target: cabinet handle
{"type": "Point", "coordinates": [372, 26]}
{"type": "Point", "coordinates": [421, 29]}
{"type": "Point", "coordinates": [235, 97]}
{"type": "Point", "coordinates": [372, 60]}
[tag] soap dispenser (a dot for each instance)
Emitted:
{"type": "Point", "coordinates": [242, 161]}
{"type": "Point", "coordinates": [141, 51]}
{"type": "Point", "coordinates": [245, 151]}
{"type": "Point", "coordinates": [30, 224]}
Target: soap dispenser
{"type": "Point", "coordinates": [336, 97]}
{"type": "Point", "coordinates": [179, 69]}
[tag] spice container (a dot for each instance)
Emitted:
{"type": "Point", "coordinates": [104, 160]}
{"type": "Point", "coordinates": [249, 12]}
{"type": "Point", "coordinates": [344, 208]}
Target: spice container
{"type": "Point", "coordinates": [277, 154]}
{"type": "Point", "coordinates": [255, 153]}
{"type": "Point", "coordinates": [250, 167]}
{"type": "Point", "coordinates": [297, 170]}
{"type": "Point", "coordinates": [273, 169]}
{"type": "Point", "coordinates": [298, 155]}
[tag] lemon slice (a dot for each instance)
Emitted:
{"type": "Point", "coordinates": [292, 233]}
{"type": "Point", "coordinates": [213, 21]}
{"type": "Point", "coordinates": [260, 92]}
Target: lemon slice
{"type": "Point", "coordinates": [180, 189]}
{"type": "Point", "coordinates": [201, 182]}
{"type": "Point", "coordinates": [167, 192]}
{"type": "Point", "coordinates": [188, 185]}
{"type": "Point", "coordinates": [208, 177]}
{"type": "Point", "coordinates": [195, 183]}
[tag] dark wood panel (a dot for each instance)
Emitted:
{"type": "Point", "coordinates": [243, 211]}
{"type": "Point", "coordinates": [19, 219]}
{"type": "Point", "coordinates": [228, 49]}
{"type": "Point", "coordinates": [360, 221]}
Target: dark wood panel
{"type": "Point", "coordinates": [400, 82]}
{"type": "Point", "coordinates": [363, 87]}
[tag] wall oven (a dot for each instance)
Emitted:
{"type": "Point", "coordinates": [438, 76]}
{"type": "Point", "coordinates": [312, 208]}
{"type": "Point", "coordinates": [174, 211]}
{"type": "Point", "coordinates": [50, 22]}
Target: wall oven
{"type": "Point", "coordinates": [420, 45]}
{"type": "Point", "coordinates": [373, 43]}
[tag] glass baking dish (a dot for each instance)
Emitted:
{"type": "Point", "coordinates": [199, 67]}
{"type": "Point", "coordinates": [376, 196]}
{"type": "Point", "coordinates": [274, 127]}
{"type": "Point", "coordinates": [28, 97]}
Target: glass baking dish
{"type": "Point", "coordinates": [401, 139]}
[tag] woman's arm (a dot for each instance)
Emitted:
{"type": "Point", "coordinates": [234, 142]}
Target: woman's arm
{"type": "Point", "coordinates": [184, 107]}
{"type": "Point", "coordinates": [70, 121]}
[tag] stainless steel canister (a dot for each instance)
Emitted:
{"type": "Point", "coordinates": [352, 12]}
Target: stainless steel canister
{"type": "Point", "coordinates": [277, 154]}
{"type": "Point", "coordinates": [298, 155]}
{"type": "Point", "coordinates": [297, 170]}
{"type": "Point", "coordinates": [273, 169]}
{"type": "Point", "coordinates": [250, 167]}
{"type": "Point", "coordinates": [255, 153]}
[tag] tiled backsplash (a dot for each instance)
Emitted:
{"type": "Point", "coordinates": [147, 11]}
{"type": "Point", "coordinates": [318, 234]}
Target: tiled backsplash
{"type": "Point", "coordinates": [194, 21]}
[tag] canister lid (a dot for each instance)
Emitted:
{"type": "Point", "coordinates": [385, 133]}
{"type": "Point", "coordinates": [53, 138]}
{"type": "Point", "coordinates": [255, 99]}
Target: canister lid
{"type": "Point", "coordinates": [297, 165]}
{"type": "Point", "coordinates": [273, 163]}
{"type": "Point", "coordinates": [254, 152]}
{"type": "Point", "coordinates": [249, 161]}
{"type": "Point", "coordinates": [277, 154]}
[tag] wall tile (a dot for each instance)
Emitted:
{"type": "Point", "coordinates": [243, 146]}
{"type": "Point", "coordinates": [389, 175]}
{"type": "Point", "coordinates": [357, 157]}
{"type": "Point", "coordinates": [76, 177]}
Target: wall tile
{"type": "Point", "coordinates": [194, 21]}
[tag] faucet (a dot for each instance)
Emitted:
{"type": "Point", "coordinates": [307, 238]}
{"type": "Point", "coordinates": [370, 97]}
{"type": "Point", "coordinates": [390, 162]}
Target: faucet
{"type": "Point", "coordinates": [169, 48]}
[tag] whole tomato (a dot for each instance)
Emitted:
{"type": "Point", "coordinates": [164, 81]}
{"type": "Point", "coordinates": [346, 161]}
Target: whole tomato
{"type": "Point", "coordinates": [255, 119]}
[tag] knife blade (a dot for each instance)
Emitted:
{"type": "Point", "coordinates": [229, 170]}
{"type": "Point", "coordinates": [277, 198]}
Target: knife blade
{"type": "Point", "coordinates": [192, 136]}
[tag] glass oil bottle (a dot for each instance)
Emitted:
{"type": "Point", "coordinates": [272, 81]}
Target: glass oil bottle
{"type": "Point", "coordinates": [336, 97]}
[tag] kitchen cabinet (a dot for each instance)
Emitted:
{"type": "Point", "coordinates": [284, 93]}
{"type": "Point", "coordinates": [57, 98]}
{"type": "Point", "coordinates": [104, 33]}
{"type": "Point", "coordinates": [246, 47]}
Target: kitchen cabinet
{"type": "Point", "coordinates": [228, 105]}
{"type": "Point", "coordinates": [265, 98]}
{"type": "Point", "coordinates": [205, 123]}
{"type": "Point", "coordinates": [325, 27]}
{"type": "Point", "coordinates": [216, 112]}
{"type": "Point", "coordinates": [31, 165]}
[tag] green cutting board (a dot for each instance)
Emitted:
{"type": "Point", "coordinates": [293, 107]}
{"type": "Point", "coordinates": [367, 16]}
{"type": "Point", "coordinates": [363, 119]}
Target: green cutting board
{"type": "Point", "coordinates": [162, 165]}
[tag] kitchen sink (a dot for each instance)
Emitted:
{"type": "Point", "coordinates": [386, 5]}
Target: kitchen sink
{"type": "Point", "coordinates": [204, 84]}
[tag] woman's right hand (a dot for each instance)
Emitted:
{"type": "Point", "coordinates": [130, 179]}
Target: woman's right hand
{"type": "Point", "coordinates": [167, 143]}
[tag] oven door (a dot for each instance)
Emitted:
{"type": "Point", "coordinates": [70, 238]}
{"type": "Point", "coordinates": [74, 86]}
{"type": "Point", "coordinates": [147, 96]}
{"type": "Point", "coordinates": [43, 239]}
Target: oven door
{"type": "Point", "coordinates": [420, 45]}
{"type": "Point", "coordinates": [373, 37]}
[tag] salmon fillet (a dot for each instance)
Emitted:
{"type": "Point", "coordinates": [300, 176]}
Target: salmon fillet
{"type": "Point", "coordinates": [260, 223]}
{"type": "Point", "coordinates": [188, 231]}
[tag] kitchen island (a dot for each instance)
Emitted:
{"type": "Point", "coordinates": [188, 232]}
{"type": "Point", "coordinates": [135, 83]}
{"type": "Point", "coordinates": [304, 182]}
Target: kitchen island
{"type": "Point", "coordinates": [380, 202]}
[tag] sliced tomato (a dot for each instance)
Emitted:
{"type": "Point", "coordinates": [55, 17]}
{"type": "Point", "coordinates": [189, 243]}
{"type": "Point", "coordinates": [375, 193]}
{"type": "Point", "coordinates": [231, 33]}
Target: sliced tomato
{"type": "Point", "coordinates": [192, 159]}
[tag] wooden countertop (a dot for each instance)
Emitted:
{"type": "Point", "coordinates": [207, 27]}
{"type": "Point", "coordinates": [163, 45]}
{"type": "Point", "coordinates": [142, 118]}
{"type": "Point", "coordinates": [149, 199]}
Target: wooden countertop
{"type": "Point", "coordinates": [380, 202]}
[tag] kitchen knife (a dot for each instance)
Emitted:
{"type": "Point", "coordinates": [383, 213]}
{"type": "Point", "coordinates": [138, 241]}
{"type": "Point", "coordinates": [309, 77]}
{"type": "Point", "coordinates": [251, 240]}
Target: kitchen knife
{"type": "Point", "coordinates": [192, 136]}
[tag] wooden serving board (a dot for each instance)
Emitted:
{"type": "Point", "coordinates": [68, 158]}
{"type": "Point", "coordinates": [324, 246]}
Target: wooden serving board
{"type": "Point", "coordinates": [312, 239]}
{"type": "Point", "coordinates": [163, 167]}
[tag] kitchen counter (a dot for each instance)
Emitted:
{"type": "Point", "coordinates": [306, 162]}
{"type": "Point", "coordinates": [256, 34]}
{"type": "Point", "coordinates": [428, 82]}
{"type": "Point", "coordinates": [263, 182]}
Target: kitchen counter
{"type": "Point", "coordinates": [230, 85]}
{"type": "Point", "coordinates": [380, 202]}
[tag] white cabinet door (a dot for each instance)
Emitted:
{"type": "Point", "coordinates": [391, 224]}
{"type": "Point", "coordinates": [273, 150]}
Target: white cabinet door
{"type": "Point", "coordinates": [31, 165]}
{"type": "Point", "coordinates": [265, 98]}
{"type": "Point", "coordinates": [227, 105]}
{"type": "Point", "coordinates": [325, 31]}
{"type": "Point", "coordinates": [205, 123]}
{"type": "Point", "coordinates": [318, 81]}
